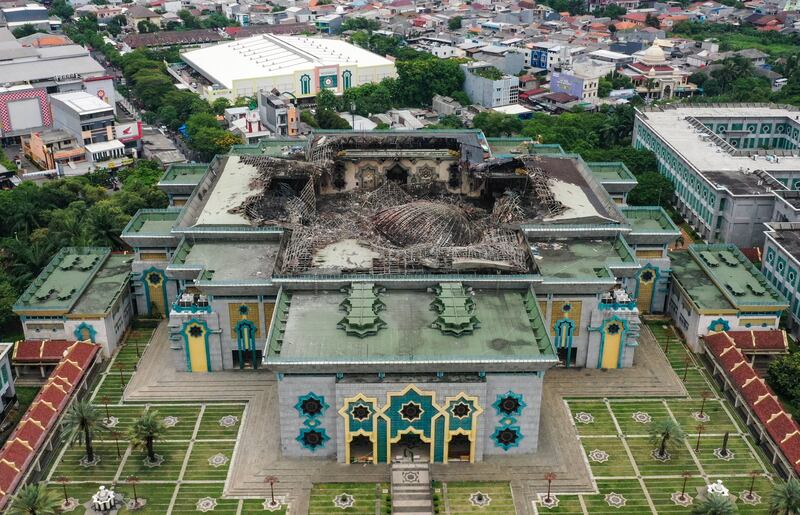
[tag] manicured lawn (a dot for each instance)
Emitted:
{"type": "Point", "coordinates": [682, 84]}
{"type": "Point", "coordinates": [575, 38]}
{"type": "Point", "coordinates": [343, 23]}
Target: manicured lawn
{"type": "Point", "coordinates": [220, 421]}
{"type": "Point", "coordinates": [741, 463]}
{"type": "Point", "coordinates": [636, 418]}
{"type": "Point", "coordinates": [499, 494]}
{"type": "Point", "coordinates": [209, 460]}
{"type": "Point", "coordinates": [661, 491]}
{"type": "Point", "coordinates": [567, 505]}
{"type": "Point", "coordinates": [190, 494]}
{"type": "Point", "coordinates": [607, 457]}
{"type": "Point", "coordinates": [104, 470]}
{"type": "Point", "coordinates": [111, 387]}
{"type": "Point", "coordinates": [719, 421]}
{"type": "Point", "coordinates": [592, 418]}
{"type": "Point", "coordinates": [365, 496]}
{"type": "Point", "coordinates": [173, 454]}
{"type": "Point", "coordinates": [251, 506]}
{"type": "Point", "coordinates": [614, 471]}
{"type": "Point", "coordinates": [180, 419]}
{"type": "Point", "coordinates": [680, 459]}
{"type": "Point", "coordinates": [626, 492]}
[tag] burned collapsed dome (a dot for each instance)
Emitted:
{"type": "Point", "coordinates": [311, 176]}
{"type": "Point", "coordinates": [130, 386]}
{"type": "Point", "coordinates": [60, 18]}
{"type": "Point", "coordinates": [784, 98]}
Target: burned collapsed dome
{"type": "Point", "coordinates": [410, 204]}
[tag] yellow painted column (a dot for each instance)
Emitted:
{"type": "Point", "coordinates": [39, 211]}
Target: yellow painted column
{"type": "Point", "coordinates": [611, 345]}
{"type": "Point", "coordinates": [647, 280]}
{"type": "Point", "coordinates": [196, 340]}
{"type": "Point", "coordinates": [155, 282]}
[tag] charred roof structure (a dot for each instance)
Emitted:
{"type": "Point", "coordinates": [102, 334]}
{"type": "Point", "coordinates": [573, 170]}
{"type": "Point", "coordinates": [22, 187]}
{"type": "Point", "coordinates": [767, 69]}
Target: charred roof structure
{"type": "Point", "coordinates": [431, 210]}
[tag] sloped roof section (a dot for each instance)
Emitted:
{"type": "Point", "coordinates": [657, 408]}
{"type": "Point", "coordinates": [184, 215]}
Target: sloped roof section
{"type": "Point", "coordinates": [30, 435]}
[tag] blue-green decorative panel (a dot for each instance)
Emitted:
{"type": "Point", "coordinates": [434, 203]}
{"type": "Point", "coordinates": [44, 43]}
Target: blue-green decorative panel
{"type": "Point", "coordinates": [382, 433]}
{"type": "Point", "coordinates": [438, 447]}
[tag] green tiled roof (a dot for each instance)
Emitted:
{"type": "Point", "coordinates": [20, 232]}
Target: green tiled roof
{"type": "Point", "coordinates": [547, 148]}
{"type": "Point", "coordinates": [719, 276]}
{"type": "Point", "coordinates": [152, 222]}
{"type": "Point", "coordinates": [77, 280]}
{"type": "Point", "coordinates": [647, 219]}
{"type": "Point", "coordinates": [456, 309]}
{"type": "Point", "coordinates": [107, 285]}
{"type": "Point", "coordinates": [572, 258]}
{"type": "Point", "coordinates": [362, 306]}
{"type": "Point", "coordinates": [268, 147]}
{"type": "Point", "coordinates": [184, 174]}
{"type": "Point", "coordinates": [508, 147]}
{"type": "Point", "coordinates": [511, 328]}
{"type": "Point", "coordinates": [613, 171]}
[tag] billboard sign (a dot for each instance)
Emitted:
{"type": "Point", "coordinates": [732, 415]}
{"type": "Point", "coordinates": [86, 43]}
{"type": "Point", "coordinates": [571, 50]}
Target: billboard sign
{"type": "Point", "coordinates": [128, 131]}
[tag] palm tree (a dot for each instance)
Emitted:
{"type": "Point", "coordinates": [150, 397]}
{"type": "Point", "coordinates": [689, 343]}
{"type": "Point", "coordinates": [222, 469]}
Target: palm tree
{"type": "Point", "coordinates": [145, 431]}
{"type": "Point", "coordinates": [785, 498]}
{"type": "Point", "coordinates": [34, 499]}
{"type": "Point", "coordinates": [82, 421]}
{"type": "Point", "coordinates": [27, 259]}
{"type": "Point", "coordinates": [716, 505]}
{"type": "Point", "coordinates": [668, 435]}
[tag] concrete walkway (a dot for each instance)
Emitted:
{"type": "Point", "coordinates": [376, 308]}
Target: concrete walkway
{"type": "Point", "coordinates": [257, 452]}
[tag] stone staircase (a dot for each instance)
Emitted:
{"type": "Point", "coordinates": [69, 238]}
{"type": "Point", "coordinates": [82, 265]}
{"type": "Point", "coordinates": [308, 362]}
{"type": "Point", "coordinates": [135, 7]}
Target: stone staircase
{"type": "Point", "coordinates": [411, 488]}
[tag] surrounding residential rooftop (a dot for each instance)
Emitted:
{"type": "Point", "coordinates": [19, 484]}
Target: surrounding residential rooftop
{"type": "Point", "coordinates": [719, 276]}
{"type": "Point", "coordinates": [404, 326]}
{"type": "Point", "coordinates": [268, 55]}
{"type": "Point", "coordinates": [51, 62]}
{"type": "Point", "coordinates": [77, 280]}
{"type": "Point", "coordinates": [83, 103]}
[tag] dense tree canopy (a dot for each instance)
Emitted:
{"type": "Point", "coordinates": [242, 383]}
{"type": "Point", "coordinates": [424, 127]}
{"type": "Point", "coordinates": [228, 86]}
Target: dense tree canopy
{"type": "Point", "coordinates": [77, 211]}
{"type": "Point", "coordinates": [782, 376]}
{"type": "Point", "coordinates": [420, 77]}
{"type": "Point", "coordinates": [358, 23]}
{"type": "Point", "coordinates": [62, 9]}
{"type": "Point", "coordinates": [24, 30]}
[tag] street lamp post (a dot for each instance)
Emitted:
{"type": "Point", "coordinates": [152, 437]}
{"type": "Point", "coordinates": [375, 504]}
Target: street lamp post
{"type": "Point", "coordinates": [104, 399]}
{"type": "Point", "coordinates": [120, 367]}
{"type": "Point", "coordinates": [700, 428]}
{"type": "Point", "coordinates": [705, 395]}
{"type": "Point", "coordinates": [271, 480]}
{"type": "Point", "coordinates": [686, 476]}
{"type": "Point", "coordinates": [549, 477]}
{"type": "Point", "coordinates": [686, 362]}
{"type": "Point", "coordinates": [753, 475]}
{"type": "Point", "coordinates": [64, 480]}
{"type": "Point", "coordinates": [115, 435]}
{"type": "Point", "coordinates": [132, 480]}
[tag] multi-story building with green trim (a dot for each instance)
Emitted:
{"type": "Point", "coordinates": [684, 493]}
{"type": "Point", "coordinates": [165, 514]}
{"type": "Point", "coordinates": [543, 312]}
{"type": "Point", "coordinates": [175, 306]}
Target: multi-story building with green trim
{"type": "Point", "coordinates": [716, 288]}
{"type": "Point", "coordinates": [730, 164]}
{"type": "Point", "coordinates": [781, 265]}
{"type": "Point", "coordinates": [82, 294]}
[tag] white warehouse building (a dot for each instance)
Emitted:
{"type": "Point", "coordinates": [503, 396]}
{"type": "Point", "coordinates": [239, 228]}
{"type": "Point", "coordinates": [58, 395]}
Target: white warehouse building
{"type": "Point", "coordinates": [299, 65]}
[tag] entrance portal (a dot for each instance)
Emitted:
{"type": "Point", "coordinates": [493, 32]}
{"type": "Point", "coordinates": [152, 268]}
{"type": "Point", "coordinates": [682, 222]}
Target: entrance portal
{"type": "Point", "coordinates": [397, 173]}
{"type": "Point", "coordinates": [411, 448]}
{"type": "Point", "coordinates": [459, 448]}
{"type": "Point", "coordinates": [360, 449]}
